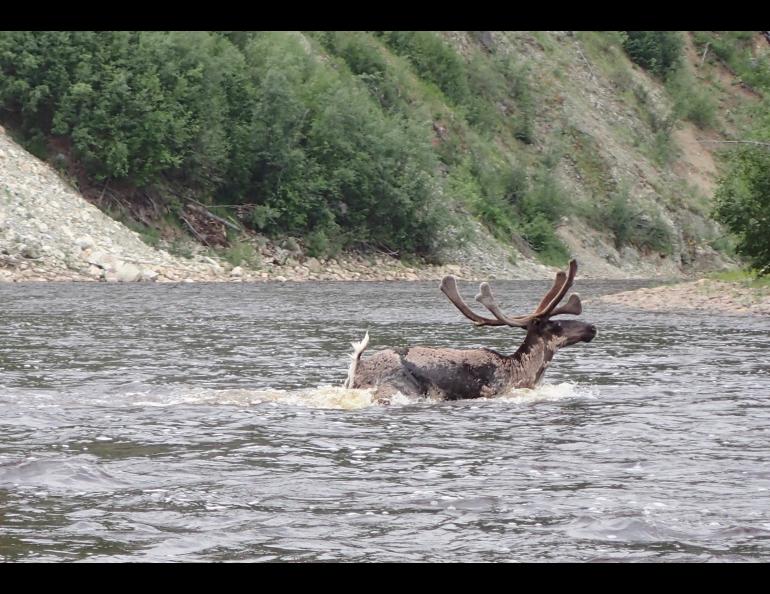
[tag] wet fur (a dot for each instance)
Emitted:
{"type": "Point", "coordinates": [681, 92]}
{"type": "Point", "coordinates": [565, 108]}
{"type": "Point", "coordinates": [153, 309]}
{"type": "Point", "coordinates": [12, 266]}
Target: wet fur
{"type": "Point", "coordinates": [453, 374]}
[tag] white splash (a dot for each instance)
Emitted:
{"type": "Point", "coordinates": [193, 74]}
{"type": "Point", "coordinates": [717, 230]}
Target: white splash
{"type": "Point", "coordinates": [334, 397]}
{"type": "Point", "coordinates": [545, 393]}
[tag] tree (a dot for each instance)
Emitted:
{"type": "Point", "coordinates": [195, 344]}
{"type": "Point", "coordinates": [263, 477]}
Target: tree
{"type": "Point", "coordinates": [660, 52]}
{"type": "Point", "coordinates": [743, 204]}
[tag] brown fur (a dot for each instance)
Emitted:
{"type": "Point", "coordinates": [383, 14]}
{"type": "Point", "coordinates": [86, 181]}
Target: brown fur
{"type": "Point", "coordinates": [452, 374]}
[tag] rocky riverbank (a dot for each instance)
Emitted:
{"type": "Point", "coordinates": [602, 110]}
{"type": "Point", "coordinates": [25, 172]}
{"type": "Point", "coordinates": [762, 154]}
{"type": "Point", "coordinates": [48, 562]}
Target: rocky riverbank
{"type": "Point", "coordinates": [49, 232]}
{"type": "Point", "coordinates": [704, 294]}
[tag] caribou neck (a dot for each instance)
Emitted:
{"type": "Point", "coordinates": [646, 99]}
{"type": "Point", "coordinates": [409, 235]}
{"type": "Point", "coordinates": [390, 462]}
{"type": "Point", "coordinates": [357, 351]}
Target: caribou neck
{"type": "Point", "coordinates": [527, 365]}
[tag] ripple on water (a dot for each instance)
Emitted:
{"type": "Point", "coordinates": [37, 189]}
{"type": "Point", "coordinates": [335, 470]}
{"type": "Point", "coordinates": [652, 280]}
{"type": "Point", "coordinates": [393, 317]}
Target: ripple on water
{"type": "Point", "coordinates": [206, 423]}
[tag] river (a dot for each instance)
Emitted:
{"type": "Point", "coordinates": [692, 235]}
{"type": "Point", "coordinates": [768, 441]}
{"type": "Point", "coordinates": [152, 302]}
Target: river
{"type": "Point", "coordinates": [204, 422]}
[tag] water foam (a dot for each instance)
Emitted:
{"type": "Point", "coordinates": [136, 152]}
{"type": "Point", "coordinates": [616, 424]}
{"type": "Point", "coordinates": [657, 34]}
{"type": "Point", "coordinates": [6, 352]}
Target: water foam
{"type": "Point", "coordinates": [332, 397]}
{"type": "Point", "coordinates": [335, 397]}
{"type": "Point", "coordinates": [546, 393]}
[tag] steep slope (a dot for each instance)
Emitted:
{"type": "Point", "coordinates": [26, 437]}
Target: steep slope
{"type": "Point", "coordinates": [530, 131]}
{"type": "Point", "coordinates": [47, 230]}
{"type": "Point", "coordinates": [598, 113]}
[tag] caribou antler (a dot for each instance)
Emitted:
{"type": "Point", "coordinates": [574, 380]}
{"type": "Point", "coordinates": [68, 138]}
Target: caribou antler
{"type": "Point", "coordinates": [545, 309]}
{"type": "Point", "coordinates": [486, 299]}
{"type": "Point", "coordinates": [449, 288]}
{"type": "Point", "coordinates": [560, 292]}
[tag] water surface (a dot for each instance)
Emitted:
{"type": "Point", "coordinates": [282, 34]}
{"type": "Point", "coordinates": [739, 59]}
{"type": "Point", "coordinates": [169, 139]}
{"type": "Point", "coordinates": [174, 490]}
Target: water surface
{"type": "Point", "coordinates": [204, 422]}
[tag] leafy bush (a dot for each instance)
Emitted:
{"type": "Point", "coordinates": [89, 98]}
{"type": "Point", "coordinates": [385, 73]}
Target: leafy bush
{"type": "Point", "coordinates": [631, 225]}
{"type": "Point", "coordinates": [743, 204]}
{"type": "Point", "coordinates": [690, 103]}
{"type": "Point", "coordinates": [660, 52]}
{"type": "Point", "coordinates": [242, 253]}
{"type": "Point", "coordinates": [317, 243]}
{"type": "Point", "coordinates": [363, 57]}
{"type": "Point", "coordinates": [539, 233]}
{"type": "Point", "coordinates": [434, 60]}
{"type": "Point", "coordinates": [736, 49]}
{"type": "Point", "coordinates": [317, 134]}
{"type": "Point", "coordinates": [251, 118]}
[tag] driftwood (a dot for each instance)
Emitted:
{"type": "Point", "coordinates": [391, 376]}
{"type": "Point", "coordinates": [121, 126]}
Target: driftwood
{"type": "Point", "coordinates": [200, 208]}
{"type": "Point", "coordinates": [703, 58]}
{"type": "Point", "coordinates": [200, 237]}
{"type": "Point", "coordinates": [754, 142]}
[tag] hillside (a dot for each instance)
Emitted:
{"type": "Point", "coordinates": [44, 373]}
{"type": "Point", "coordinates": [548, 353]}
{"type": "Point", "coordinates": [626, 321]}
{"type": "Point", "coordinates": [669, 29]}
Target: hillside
{"type": "Point", "coordinates": [364, 155]}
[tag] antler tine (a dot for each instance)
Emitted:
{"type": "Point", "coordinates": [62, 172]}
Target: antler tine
{"type": "Point", "coordinates": [448, 286]}
{"type": "Point", "coordinates": [561, 277]}
{"type": "Point", "coordinates": [548, 309]}
{"type": "Point", "coordinates": [486, 298]}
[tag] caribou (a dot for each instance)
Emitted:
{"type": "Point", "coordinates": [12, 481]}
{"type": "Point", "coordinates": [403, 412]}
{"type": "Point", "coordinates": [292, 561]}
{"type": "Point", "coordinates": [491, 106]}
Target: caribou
{"type": "Point", "coordinates": [454, 374]}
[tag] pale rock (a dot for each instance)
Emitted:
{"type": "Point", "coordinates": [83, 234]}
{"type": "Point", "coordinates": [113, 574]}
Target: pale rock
{"type": "Point", "coordinates": [236, 272]}
{"type": "Point", "coordinates": [30, 250]}
{"type": "Point", "coordinates": [127, 272]}
{"type": "Point", "coordinates": [105, 260]}
{"type": "Point", "coordinates": [84, 242]}
{"type": "Point", "coordinates": [313, 265]}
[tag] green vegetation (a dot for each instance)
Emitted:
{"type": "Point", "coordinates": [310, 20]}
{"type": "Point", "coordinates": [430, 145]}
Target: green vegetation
{"type": "Point", "coordinates": [743, 277]}
{"type": "Point", "coordinates": [743, 198]}
{"type": "Point", "coordinates": [660, 52]}
{"type": "Point", "coordinates": [630, 224]}
{"type": "Point", "coordinates": [734, 49]}
{"type": "Point", "coordinates": [743, 195]}
{"type": "Point", "coordinates": [264, 123]}
{"type": "Point", "coordinates": [690, 102]}
{"type": "Point", "coordinates": [367, 140]}
{"type": "Point", "coordinates": [322, 135]}
{"type": "Point", "coordinates": [242, 253]}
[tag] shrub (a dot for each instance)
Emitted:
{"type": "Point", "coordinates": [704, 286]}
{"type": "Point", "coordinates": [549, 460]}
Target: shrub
{"type": "Point", "coordinates": [242, 253]}
{"type": "Point", "coordinates": [690, 103]}
{"type": "Point", "coordinates": [736, 48]}
{"type": "Point", "coordinates": [743, 205]}
{"type": "Point", "coordinates": [660, 52]}
{"type": "Point", "coordinates": [631, 225]}
{"type": "Point", "coordinates": [363, 57]}
{"type": "Point", "coordinates": [434, 60]}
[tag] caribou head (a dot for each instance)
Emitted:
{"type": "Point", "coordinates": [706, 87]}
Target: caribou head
{"type": "Point", "coordinates": [453, 374]}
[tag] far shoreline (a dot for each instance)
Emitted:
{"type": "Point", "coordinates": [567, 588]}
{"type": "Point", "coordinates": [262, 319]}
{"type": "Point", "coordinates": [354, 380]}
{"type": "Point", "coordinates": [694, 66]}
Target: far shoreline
{"type": "Point", "coordinates": [705, 294]}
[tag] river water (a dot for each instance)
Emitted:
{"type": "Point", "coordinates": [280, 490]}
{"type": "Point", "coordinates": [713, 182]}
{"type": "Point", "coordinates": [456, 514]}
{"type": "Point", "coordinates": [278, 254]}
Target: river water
{"type": "Point", "coordinates": [204, 422]}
